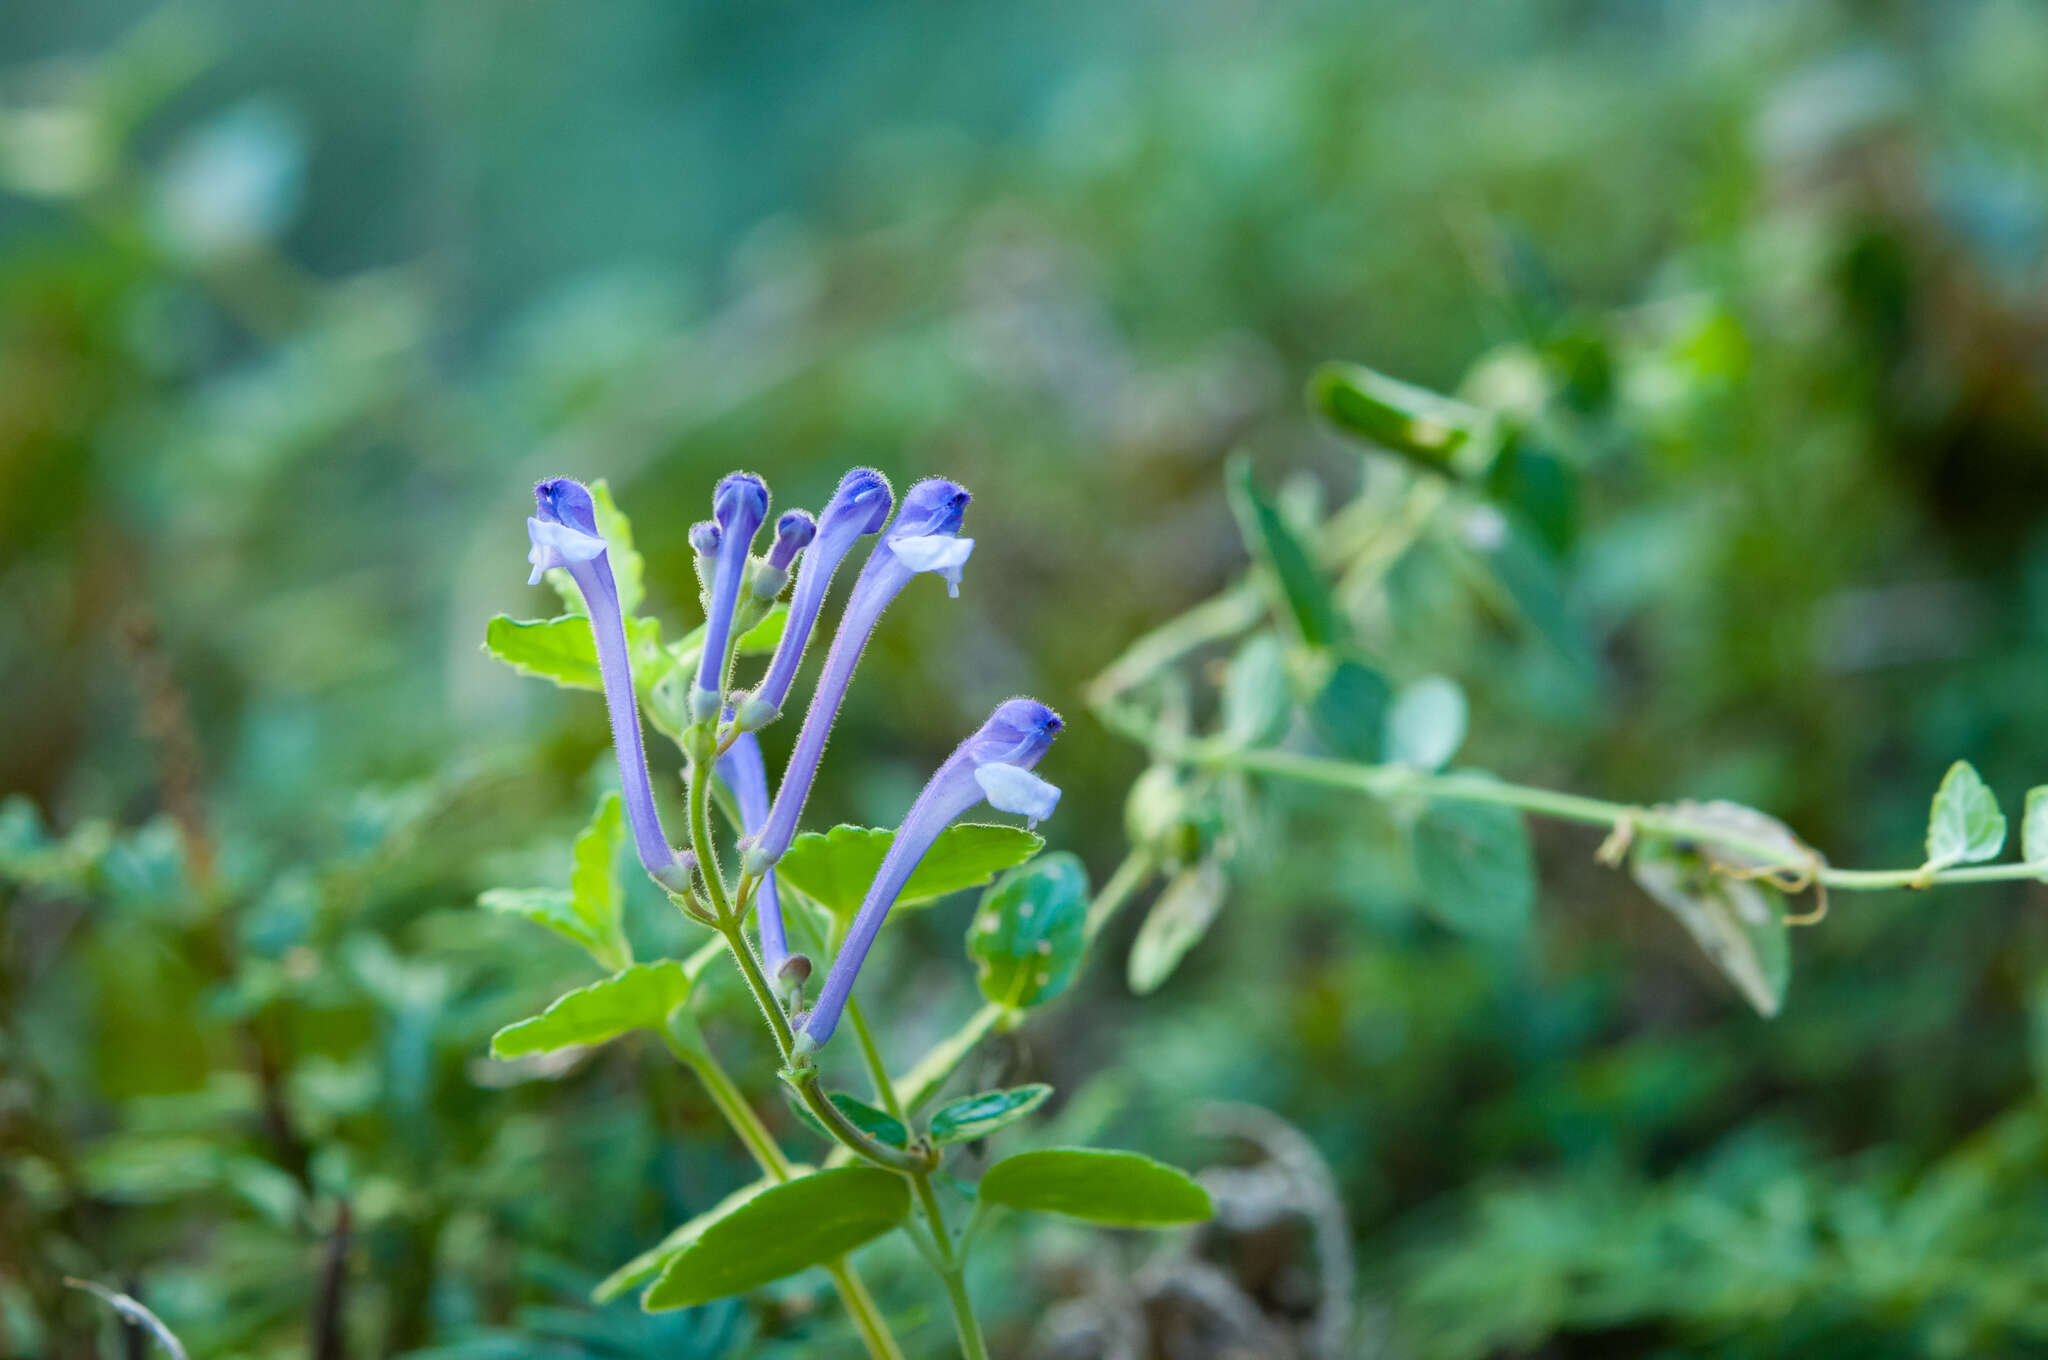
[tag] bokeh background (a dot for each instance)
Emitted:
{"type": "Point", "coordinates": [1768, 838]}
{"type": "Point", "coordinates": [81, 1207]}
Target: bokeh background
{"type": "Point", "coordinates": [297, 301]}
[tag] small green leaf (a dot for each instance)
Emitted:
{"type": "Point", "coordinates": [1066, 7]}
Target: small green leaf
{"type": "Point", "coordinates": [2034, 826]}
{"type": "Point", "coordinates": [639, 997]}
{"type": "Point", "coordinates": [594, 882]}
{"type": "Point", "coordinates": [1029, 932]}
{"type": "Point", "coordinates": [1256, 698]}
{"type": "Point", "coordinates": [879, 1125]}
{"type": "Point", "coordinates": [978, 1116]}
{"type": "Point", "coordinates": [551, 908]}
{"type": "Point", "coordinates": [1477, 871]}
{"type": "Point", "coordinates": [590, 912]}
{"type": "Point", "coordinates": [1965, 824]}
{"type": "Point", "coordinates": [780, 1231]}
{"type": "Point", "coordinates": [834, 868]}
{"type": "Point", "coordinates": [1739, 922]}
{"type": "Point", "coordinates": [765, 636]}
{"type": "Point", "coordinates": [563, 650]}
{"type": "Point", "coordinates": [649, 1263]}
{"type": "Point", "coordinates": [1119, 1188]}
{"type": "Point", "coordinates": [1272, 542]}
{"type": "Point", "coordinates": [1176, 923]}
{"type": "Point", "coordinates": [1434, 431]}
{"type": "Point", "coordinates": [628, 569]}
{"type": "Point", "coordinates": [1350, 712]}
{"type": "Point", "coordinates": [1426, 724]}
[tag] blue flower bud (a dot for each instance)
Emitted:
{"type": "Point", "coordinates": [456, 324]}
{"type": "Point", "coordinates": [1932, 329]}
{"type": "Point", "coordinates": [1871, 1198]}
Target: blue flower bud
{"type": "Point", "coordinates": [704, 537]}
{"type": "Point", "coordinates": [924, 537]}
{"type": "Point", "coordinates": [739, 505]}
{"type": "Point", "coordinates": [793, 533]}
{"type": "Point", "coordinates": [563, 533]}
{"type": "Point", "coordinates": [994, 766]}
{"type": "Point", "coordinates": [859, 507]}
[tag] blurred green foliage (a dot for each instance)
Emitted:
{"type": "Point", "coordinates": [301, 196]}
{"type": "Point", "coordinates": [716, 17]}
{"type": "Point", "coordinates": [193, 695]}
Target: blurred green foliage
{"type": "Point", "coordinates": [295, 304]}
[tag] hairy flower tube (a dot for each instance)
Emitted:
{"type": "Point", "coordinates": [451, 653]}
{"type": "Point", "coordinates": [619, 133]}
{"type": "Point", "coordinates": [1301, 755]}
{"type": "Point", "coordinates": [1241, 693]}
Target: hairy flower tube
{"type": "Point", "coordinates": [743, 772]}
{"type": "Point", "coordinates": [992, 766]}
{"type": "Point", "coordinates": [859, 507]}
{"type": "Point", "coordinates": [924, 537]}
{"type": "Point", "coordinates": [738, 507]}
{"type": "Point", "coordinates": [563, 533]}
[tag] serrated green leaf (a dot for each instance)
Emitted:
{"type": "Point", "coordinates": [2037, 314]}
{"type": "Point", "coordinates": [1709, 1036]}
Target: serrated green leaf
{"type": "Point", "coordinates": [559, 649]}
{"type": "Point", "coordinates": [590, 913]}
{"type": "Point", "coordinates": [978, 1116]}
{"type": "Point", "coordinates": [594, 881]}
{"type": "Point", "coordinates": [2034, 826]}
{"type": "Point", "coordinates": [550, 908]}
{"type": "Point", "coordinates": [628, 568]}
{"type": "Point", "coordinates": [1426, 723]}
{"type": "Point", "coordinates": [1350, 712]}
{"type": "Point", "coordinates": [780, 1231]}
{"type": "Point", "coordinates": [1435, 431]}
{"type": "Point", "coordinates": [639, 997]}
{"type": "Point", "coordinates": [1256, 697]}
{"type": "Point", "coordinates": [1964, 825]}
{"type": "Point", "coordinates": [834, 868]}
{"type": "Point", "coordinates": [1272, 542]}
{"type": "Point", "coordinates": [1176, 923]}
{"type": "Point", "coordinates": [1030, 930]}
{"type": "Point", "coordinates": [564, 651]}
{"type": "Point", "coordinates": [879, 1125]}
{"type": "Point", "coordinates": [1101, 1186]}
{"type": "Point", "coordinates": [1477, 871]}
{"type": "Point", "coordinates": [1739, 922]}
{"type": "Point", "coordinates": [649, 1263]}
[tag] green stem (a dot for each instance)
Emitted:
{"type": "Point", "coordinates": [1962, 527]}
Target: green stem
{"type": "Point", "coordinates": [725, 1094]}
{"type": "Point", "coordinates": [853, 1292]}
{"type": "Point", "coordinates": [1128, 878]}
{"type": "Point", "coordinates": [951, 1270]}
{"type": "Point", "coordinates": [923, 1081]}
{"type": "Point", "coordinates": [700, 838]}
{"type": "Point", "coordinates": [918, 1158]}
{"type": "Point", "coordinates": [878, 1070]}
{"type": "Point", "coordinates": [1390, 781]}
{"type": "Point", "coordinates": [760, 1144]}
{"type": "Point", "coordinates": [757, 982]}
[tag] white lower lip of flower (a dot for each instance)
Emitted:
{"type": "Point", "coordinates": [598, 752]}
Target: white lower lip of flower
{"type": "Point", "coordinates": [942, 553]}
{"type": "Point", "coordinates": [1010, 788]}
{"type": "Point", "coordinates": [557, 545]}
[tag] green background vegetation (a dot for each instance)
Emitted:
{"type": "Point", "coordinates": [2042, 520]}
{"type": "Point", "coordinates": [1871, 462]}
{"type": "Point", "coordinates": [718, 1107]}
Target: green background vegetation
{"type": "Point", "coordinates": [296, 303]}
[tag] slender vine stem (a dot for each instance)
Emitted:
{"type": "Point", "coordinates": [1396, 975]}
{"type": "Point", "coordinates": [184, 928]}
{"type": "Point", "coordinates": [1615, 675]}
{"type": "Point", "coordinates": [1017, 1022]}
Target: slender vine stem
{"type": "Point", "coordinates": [760, 1144]}
{"type": "Point", "coordinates": [1128, 877]}
{"type": "Point", "coordinates": [1391, 781]}
{"type": "Point", "coordinates": [878, 1070]}
{"type": "Point", "coordinates": [952, 1269]}
{"type": "Point", "coordinates": [757, 982]}
{"type": "Point", "coordinates": [700, 838]}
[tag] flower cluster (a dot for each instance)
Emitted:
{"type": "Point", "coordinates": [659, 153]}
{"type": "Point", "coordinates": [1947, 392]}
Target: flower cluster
{"type": "Point", "coordinates": [994, 765]}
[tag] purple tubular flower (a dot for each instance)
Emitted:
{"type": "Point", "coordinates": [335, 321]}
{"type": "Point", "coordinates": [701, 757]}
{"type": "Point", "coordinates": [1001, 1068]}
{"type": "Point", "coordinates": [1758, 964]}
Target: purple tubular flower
{"type": "Point", "coordinates": [739, 505]}
{"type": "Point", "coordinates": [993, 765]}
{"type": "Point", "coordinates": [793, 533]}
{"type": "Point", "coordinates": [923, 538]}
{"type": "Point", "coordinates": [859, 507]}
{"type": "Point", "coordinates": [564, 534]}
{"type": "Point", "coordinates": [744, 773]}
